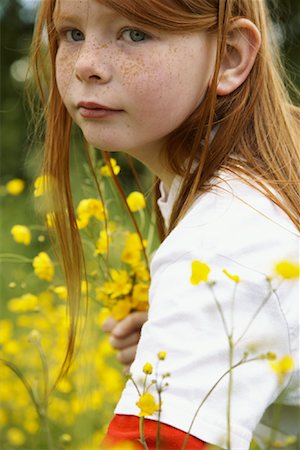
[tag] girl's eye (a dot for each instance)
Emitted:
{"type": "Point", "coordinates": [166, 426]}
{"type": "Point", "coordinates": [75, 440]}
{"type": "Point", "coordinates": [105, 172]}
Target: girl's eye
{"type": "Point", "coordinates": [75, 35]}
{"type": "Point", "coordinates": [133, 35]}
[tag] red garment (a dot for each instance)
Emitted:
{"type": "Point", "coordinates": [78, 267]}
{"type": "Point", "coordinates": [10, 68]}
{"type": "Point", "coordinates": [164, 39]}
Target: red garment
{"type": "Point", "coordinates": [126, 428]}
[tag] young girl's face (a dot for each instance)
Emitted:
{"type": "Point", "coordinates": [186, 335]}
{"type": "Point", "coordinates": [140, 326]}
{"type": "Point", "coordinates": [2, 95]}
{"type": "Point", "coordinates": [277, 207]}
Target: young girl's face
{"type": "Point", "coordinates": [127, 88]}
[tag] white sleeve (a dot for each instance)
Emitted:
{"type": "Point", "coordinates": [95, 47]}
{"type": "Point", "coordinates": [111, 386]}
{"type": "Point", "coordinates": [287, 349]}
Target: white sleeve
{"type": "Point", "coordinates": [191, 323]}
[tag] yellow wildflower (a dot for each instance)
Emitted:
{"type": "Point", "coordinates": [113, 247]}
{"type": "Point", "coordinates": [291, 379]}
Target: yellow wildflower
{"type": "Point", "coordinates": [21, 234]}
{"type": "Point", "coordinates": [15, 186]}
{"type": "Point", "coordinates": [234, 278]}
{"type": "Point", "coordinates": [40, 186]}
{"type": "Point", "coordinates": [132, 250]}
{"type": "Point", "coordinates": [121, 309]}
{"type": "Point", "coordinates": [5, 330]}
{"type": "Point", "coordinates": [61, 292]}
{"type": "Point", "coordinates": [87, 208]}
{"type": "Point", "coordinates": [106, 171]}
{"type": "Point", "coordinates": [200, 272]}
{"type": "Point", "coordinates": [140, 292]}
{"type": "Point", "coordinates": [282, 367]}
{"type": "Point", "coordinates": [148, 369]}
{"type": "Point", "coordinates": [65, 438]}
{"type": "Point", "coordinates": [15, 436]}
{"type": "Point", "coordinates": [287, 269]}
{"type": "Point", "coordinates": [121, 284]}
{"type": "Point", "coordinates": [43, 266]}
{"type": "Point", "coordinates": [25, 303]}
{"type": "Point", "coordinates": [162, 356]}
{"type": "Point", "coordinates": [136, 201]}
{"type": "Point", "coordinates": [141, 271]}
{"type": "Point", "coordinates": [147, 405]}
{"type": "Point", "coordinates": [102, 243]}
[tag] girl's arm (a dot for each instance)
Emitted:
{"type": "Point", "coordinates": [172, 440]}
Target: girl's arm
{"type": "Point", "coordinates": [125, 335]}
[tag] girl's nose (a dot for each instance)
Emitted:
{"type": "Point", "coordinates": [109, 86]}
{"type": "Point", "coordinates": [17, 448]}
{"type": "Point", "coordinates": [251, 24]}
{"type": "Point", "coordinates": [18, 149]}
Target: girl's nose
{"type": "Point", "coordinates": [92, 66]}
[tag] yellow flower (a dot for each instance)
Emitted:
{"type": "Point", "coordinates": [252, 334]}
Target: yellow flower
{"type": "Point", "coordinates": [287, 269]}
{"type": "Point", "coordinates": [61, 292]}
{"type": "Point", "coordinates": [21, 234]}
{"type": "Point", "coordinates": [136, 201]}
{"type": "Point", "coordinates": [105, 171]}
{"type": "Point", "coordinates": [162, 356]}
{"type": "Point", "coordinates": [132, 250]}
{"type": "Point", "coordinates": [87, 208]}
{"type": "Point", "coordinates": [121, 309]}
{"type": "Point", "coordinates": [102, 243]}
{"type": "Point", "coordinates": [43, 266]}
{"type": "Point", "coordinates": [282, 367]}
{"type": "Point", "coordinates": [25, 303]}
{"type": "Point", "coordinates": [200, 272]}
{"type": "Point", "coordinates": [121, 284]}
{"type": "Point", "coordinates": [34, 336]}
{"type": "Point", "coordinates": [5, 330]}
{"type": "Point", "coordinates": [140, 293]}
{"type": "Point", "coordinates": [15, 186]}
{"type": "Point", "coordinates": [15, 436]}
{"type": "Point", "coordinates": [40, 186]}
{"type": "Point", "coordinates": [148, 369]}
{"type": "Point", "coordinates": [147, 405]}
{"type": "Point", "coordinates": [235, 278]}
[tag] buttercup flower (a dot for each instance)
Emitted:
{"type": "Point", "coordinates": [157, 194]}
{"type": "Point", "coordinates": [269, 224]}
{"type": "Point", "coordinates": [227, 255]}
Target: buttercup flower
{"type": "Point", "coordinates": [43, 266]}
{"type": "Point", "coordinates": [121, 309]}
{"type": "Point", "coordinates": [282, 367]}
{"type": "Point", "coordinates": [61, 292]}
{"type": "Point", "coordinates": [235, 278]}
{"type": "Point", "coordinates": [106, 171]}
{"type": "Point", "coordinates": [15, 186]}
{"type": "Point", "coordinates": [102, 243]}
{"type": "Point", "coordinates": [136, 201]}
{"type": "Point", "coordinates": [21, 234]}
{"type": "Point", "coordinates": [287, 269]}
{"type": "Point", "coordinates": [162, 356]}
{"type": "Point", "coordinates": [147, 405]}
{"type": "Point", "coordinates": [87, 208]}
{"type": "Point", "coordinates": [200, 272]}
{"type": "Point", "coordinates": [25, 303]}
{"type": "Point", "coordinates": [148, 369]}
{"type": "Point", "coordinates": [40, 186]}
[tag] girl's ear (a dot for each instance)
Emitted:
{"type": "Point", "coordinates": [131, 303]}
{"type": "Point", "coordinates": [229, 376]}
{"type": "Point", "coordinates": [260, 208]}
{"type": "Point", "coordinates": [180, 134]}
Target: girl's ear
{"type": "Point", "coordinates": [242, 45]}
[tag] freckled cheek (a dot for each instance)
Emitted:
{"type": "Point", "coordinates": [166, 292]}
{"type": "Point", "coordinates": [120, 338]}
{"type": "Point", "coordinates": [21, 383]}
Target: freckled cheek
{"type": "Point", "coordinates": [64, 72]}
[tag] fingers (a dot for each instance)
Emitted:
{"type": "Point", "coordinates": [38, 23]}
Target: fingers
{"type": "Point", "coordinates": [133, 322]}
{"type": "Point", "coordinates": [127, 355]}
{"type": "Point", "coordinates": [121, 343]}
{"type": "Point", "coordinates": [109, 324]}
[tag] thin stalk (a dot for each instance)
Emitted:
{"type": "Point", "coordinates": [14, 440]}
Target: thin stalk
{"type": "Point", "coordinates": [271, 292]}
{"type": "Point", "coordinates": [157, 447]}
{"type": "Point", "coordinates": [242, 361]}
{"type": "Point", "coordinates": [229, 393]}
{"type": "Point", "coordinates": [142, 433]}
{"type": "Point", "coordinates": [219, 309]}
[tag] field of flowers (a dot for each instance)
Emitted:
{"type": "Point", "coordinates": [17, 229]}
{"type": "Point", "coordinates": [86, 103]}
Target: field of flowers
{"type": "Point", "coordinates": [33, 321]}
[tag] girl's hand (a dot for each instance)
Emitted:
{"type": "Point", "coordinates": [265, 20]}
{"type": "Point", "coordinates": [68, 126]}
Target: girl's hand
{"type": "Point", "coordinates": [125, 335]}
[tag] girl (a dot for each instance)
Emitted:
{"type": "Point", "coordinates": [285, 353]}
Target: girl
{"type": "Point", "coordinates": [194, 89]}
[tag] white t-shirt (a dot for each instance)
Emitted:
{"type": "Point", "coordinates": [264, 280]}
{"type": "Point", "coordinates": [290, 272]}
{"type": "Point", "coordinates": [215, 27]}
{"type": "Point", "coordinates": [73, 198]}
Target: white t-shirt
{"type": "Point", "coordinates": [236, 228]}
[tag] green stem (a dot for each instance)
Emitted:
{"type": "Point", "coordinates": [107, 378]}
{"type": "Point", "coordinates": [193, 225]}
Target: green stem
{"type": "Point", "coordinates": [210, 391]}
{"type": "Point", "coordinates": [229, 393]}
{"type": "Point", "coordinates": [271, 292]}
{"type": "Point", "coordinates": [142, 433]}
{"type": "Point", "coordinates": [219, 309]}
{"type": "Point", "coordinates": [157, 447]}
{"type": "Point", "coordinates": [12, 257]}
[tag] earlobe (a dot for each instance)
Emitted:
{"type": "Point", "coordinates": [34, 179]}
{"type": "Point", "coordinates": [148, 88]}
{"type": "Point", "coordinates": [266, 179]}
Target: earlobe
{"type": "Point", "coordinates": [242, 46]}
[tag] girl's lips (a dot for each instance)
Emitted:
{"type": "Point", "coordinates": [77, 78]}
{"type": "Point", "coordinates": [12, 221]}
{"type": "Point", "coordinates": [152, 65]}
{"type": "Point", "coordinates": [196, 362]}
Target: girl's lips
{"type": "Point", "coordinates": [91, 110]}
